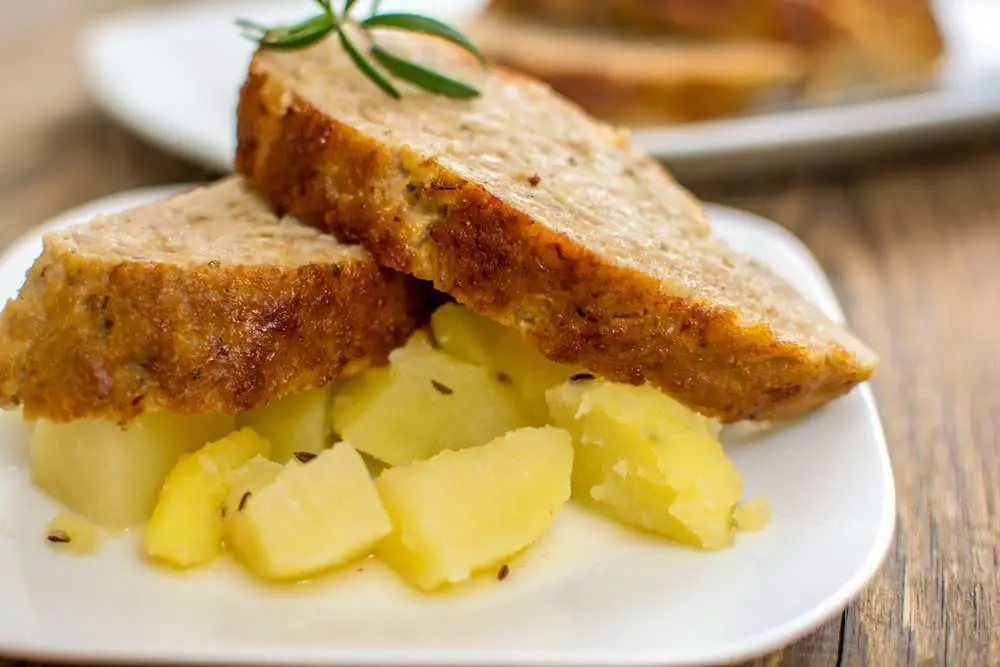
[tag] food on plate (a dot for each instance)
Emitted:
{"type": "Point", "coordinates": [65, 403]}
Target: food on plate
{"type": "Point", "coordinates": [470, 337]}
{"type": "Point", "coordinates": [753, 515]}
{"type": "Point", "coordinates": [648, 461]}
{"type": "Point", "coordinates": [663, 60]}
{"type": "Point", "coordinates": [111, 473]}
{"type": "Point", "coordinates": [529, 212]}
{"type": "Point", "coordinates": [481, 341]}
{"type": "Point", "coordinates": [462, 512]}
{"type": "Point", "coordinates": [244, 482]}
{"type": "Point", "coordinates": [641, 80]}
{"type": "Point", "coordinates": [424, 402]}
{"type": "Point", "coordinates": [861, 46]}
{"type": "Point", "coordinates": [206, 302]}
{"type": "Point", "coordinates": [729, 19]}
{"type": "Point", "coordinates": [72, 534]}
{"type": "Point", "coordinates": [311, 517]}
{"type": "Point", "coordinates": [464, 477]}
{"type": "Point", "coordinates": [297, 422]}
{"type": "Point", "coordinates": [247, 382]}
{"type": "Point", "coordinates": [185, 529]}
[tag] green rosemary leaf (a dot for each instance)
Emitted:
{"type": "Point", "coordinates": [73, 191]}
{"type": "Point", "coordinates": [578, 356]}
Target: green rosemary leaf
{"type": "Point", "coordinates": [314, 29]}
{"type": "Point", "coordinates": [366, 67]}
{"type": "Point", "coordinates": [282, 30]}
{"type": "Point", "coordinates": [320, 20]}
{"type": "Point", "coordinates": [429, 80]}
{"type": "Point", "coordinates": [425, 25]}
{"type": "Point", "coordinates": [293, 36]}
{"type": "Point", "coordinates": [247, 24]}
{"type": "Point", "coordinates": [298, 37]}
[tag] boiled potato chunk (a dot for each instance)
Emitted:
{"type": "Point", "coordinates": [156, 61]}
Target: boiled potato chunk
{"type": "Point", "coordinates": [465, 511]}
{"type": "Point", "coordinates": [312, 517]}
{"type": "Point", "coordinates": [649, 461]}
{"type": "Point", "coordinates": [479, 340]}
{"type": "Point", "coordinates": [375, 467]}
{"type": "Point", "coordinates": [250, 479]}
{"type": "Point", "coordinates": [111, 474]}
{"type": "Point", "coordinates": [465, 335]}
{"type": "Point", "coordinates": [424, 402]}
{"type": "Point", "coordinates": [185, 529]}
{"type": "Point", "coordinates": [72, 534]}
{"type": "Point", "coordinates": [294, 423]}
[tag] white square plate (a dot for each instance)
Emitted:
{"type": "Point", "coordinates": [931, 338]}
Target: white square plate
{"type": "Point", "coordinates": [171, 73]}
{"type": "Point", "coordinates": [590, 593]}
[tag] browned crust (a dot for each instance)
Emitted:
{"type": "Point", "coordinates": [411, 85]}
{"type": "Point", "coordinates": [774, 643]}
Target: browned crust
{"type": "Point", "coordinates": [857, 46]}
{"type": "Point", "coordinates": [676, 84]}
{"type": "Point", "coordinates": [849, 43]}
{"type": "Point", "coordinates": [727, 19]}
{"type": "Point", "coordinates": [574, 306]}
{"type": "Point", "coordinates": [797, 21]}
{"type": "Point", "coordinates": [93, 339]}
{"type": "Point", "coordinates": [637, 103]}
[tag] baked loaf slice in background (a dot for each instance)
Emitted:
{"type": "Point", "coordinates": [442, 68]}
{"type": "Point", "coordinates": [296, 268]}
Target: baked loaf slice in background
{"type": "Point", "coordinates": [857, 47]}
{"type": "Point", "coordinates": [849, 48]}
{"type": "Point", "coordinates": [530, 212]}
{"type": "Point", "coordinates": [718, 19]}
{"type": "Point", "coordinates": [206, 302]}
{"type": "Point", "coordinates": [644, 81]}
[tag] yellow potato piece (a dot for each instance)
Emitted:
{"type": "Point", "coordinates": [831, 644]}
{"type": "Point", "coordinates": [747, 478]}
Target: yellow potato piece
{"type": "Point", "coordinates": [294, 423]}
{"type": "Point", "coordinates": [244, 482]}
{"type": "Point", "coordinates": [481, 341]}
{"type": "Point", "coordinates": [186, 527]}
{"type": "Point", "coordinates": [309, 518]}
{"type": "Point", "coordinates": [465, 335]}
{"type": "Point", "coordinates": [112, 474]}
{"type": "Point", "coordinates": [753, 515]}
{"type": "Point", "coordinates": [426, 401]}
{"type": "Point", "coordinates": [648, 461]}
{"type": "Point", "coordinates": [465, 511]}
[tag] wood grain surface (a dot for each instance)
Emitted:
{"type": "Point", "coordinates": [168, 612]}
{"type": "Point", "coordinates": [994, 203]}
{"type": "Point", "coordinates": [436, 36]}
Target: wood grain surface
{"type": "Point", "coordinates": [911, 242]}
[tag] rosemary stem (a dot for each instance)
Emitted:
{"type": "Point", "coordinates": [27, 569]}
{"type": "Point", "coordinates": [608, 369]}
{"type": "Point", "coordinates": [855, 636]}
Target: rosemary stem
{"type": "Point", "coordinates": [386, 64]}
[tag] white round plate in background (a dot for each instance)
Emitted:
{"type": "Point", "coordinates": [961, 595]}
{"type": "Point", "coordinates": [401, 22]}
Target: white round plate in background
{"type": "Point", "coordinates": [171, 73]}
{"type": "Point", "coordinates": [590, 593]}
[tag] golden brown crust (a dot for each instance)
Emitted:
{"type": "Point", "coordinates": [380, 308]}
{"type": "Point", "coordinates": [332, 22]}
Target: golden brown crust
{"type": "Point", "coordinates": [849, 43]}
{"type": "Point", "coordinates": [726, 19]}
{"type": "Point", "coordinates": [573, 304]}
{"type": "Point", "coordinates": [640, 82]}
{"type": "Point", "coordinates": [88, 338]}
{"type": "Point", "coordinates": [859, 45]}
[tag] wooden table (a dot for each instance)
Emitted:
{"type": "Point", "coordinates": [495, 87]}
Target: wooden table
{"type": "Point", "coordinates": [912, 244]}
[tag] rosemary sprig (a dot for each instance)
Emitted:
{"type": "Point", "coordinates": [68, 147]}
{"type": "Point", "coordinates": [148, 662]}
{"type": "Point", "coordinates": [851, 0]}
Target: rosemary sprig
{"type": "Point", "coordinates": [427, 79]}
{"type": "Point", "coordinates": [425, 25]}
{"type": "Point", "coordinates": [315, 28]}
{"type": "Point", "coordinates": [291, 37]}
{"type": "Point", "coordinates": [366, 67]}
